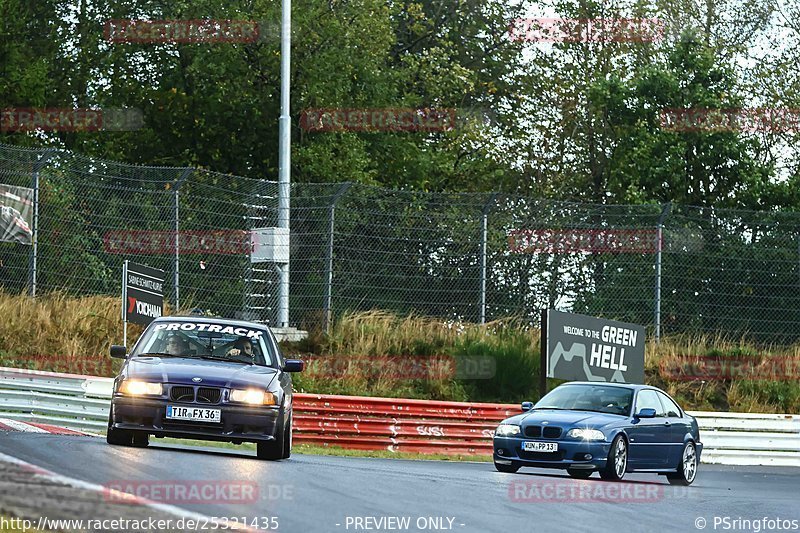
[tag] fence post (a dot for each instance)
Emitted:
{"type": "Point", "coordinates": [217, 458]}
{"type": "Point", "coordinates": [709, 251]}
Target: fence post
{"type": "Point", "coordinates": [665, 209]}
{"type": "Point", "coordinates": [176, 220]}
{"type": "Point", "coordinates": [484, 238]}
{"type": "Point", "coordinates": [329, 255]}
{"type": "Point", "coordinates": [33, 254]}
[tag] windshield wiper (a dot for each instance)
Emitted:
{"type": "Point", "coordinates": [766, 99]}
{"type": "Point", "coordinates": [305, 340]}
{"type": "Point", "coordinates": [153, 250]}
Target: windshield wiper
{"type": "Point", "coordinates": [160, 354]}
{"type": "Point", "coordinates": [227, 359]}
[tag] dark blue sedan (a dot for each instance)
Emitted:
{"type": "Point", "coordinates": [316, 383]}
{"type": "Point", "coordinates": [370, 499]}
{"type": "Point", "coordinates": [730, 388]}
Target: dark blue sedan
{"type": "Point", "coordinates": [208, 379]}
{"type": "Point", "coordinates": [613, 429]}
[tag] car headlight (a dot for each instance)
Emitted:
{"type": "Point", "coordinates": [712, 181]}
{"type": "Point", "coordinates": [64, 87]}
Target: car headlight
{"type": "Point", "coordinates": [586, 434]}
{"type": "Point", "coordinates": [507, 430]}
{"type": "Point", "coordinates": [253, 397]}
{"type": "Point", "coordinates": [141, 388]}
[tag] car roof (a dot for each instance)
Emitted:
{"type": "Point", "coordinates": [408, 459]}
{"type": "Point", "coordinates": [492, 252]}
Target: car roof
{"type": "Point", "coordinates": [214, 319]}
{"type": "Point", "coordinates": [634, 386]}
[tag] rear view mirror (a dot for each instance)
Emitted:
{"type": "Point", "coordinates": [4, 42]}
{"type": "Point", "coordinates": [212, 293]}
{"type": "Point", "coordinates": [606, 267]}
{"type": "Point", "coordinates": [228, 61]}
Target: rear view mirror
{"type": "Point", "coordinates": [293, 365]}
{"type": "Point", "coordinates": [647, 412]}
{"type": "Point", "coordinates": [527, 406]}
{"type": "Point", "coordinates": [120, 352]}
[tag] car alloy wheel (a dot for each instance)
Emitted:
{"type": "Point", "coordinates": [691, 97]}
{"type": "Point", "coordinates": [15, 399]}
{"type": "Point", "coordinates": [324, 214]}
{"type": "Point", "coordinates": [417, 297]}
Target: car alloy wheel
{"type": "Point", "coordinates": [620, 458]}
{"type": "Point", "coordinates": [687, 469]}
{"type": "Point", "coordinates": [617, 462]}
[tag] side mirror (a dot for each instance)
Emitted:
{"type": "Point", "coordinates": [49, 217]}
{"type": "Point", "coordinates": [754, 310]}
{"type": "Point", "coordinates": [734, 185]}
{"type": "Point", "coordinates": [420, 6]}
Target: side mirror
{"type": "Point", "coordinates": [293, 365]}
{"type": "Point", "coordinates": [527, 406]}
{"type": "Point", "coordinates": [120, 352]}
{"type": "Point", "coordinates": [647, 412]}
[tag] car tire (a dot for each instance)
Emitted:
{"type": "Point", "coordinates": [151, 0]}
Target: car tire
{"type": "Point", "coordinates": [273, 450]}
{"type": "Point", "coordinates": [687, 468]}
{"type": "Point", "coordinates": [508, 469]}
{"type": "Point", "coordinates": [140, 439]}
{"type": "Point", "coordinates": [117, 437]}
{"type": "Point", "coordinates": [579, 473]}
{"type": "Point", "coordinates": [617, 462]}
{"type": "Point", "coordinates": [287, 439]}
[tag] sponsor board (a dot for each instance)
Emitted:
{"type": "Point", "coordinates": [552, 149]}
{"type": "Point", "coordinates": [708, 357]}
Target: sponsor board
{"type": "Point", "coordinates": [585, 348]}
{"type": "Point", "coordinates": [16, 214]}
{"type": "Point", "coordinates": [143, 293]}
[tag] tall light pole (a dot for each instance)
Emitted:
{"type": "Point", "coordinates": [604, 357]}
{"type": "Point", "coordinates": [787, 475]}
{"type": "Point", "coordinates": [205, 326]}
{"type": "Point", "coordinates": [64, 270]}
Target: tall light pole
{"type": "Point", "coordinates": [284, 175]}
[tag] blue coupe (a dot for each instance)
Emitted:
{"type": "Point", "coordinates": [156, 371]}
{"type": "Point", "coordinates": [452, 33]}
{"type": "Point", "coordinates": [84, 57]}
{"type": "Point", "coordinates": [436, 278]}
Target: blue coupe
{"type": "Point", "coordinates": [610, 428]}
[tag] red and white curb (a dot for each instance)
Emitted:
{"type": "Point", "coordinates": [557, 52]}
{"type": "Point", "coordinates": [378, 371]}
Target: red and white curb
{"type": "Point", "coordinates": [7, 424]}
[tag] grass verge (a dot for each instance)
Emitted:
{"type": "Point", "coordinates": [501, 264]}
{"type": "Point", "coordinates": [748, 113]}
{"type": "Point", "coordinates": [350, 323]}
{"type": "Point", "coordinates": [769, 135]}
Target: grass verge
{"type": "Point", "coordinates": [336, 451]}
{"type": "Point", "coordinates": [368, 354]}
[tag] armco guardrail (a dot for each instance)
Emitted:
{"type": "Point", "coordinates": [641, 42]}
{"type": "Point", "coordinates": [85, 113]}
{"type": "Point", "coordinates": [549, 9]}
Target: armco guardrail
{"type": "Point", "coordinates": [82, 402]}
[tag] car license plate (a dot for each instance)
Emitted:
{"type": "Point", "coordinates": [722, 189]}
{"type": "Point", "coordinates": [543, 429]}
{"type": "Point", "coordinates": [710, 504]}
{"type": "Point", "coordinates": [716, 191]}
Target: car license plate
{"type": "Point", "coordinates": [196, 414]}
{"type": "Point", "coordinates": [546, 447]}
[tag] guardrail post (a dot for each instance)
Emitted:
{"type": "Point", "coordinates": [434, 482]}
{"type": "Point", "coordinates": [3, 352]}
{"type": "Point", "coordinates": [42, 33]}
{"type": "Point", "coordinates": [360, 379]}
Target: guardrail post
{"type": "Point", "coordinates": [329, 256]}
{"type": "Point", "coordinates": [33, 254]}
{"type": "Point", "coordinates": [665, 209]}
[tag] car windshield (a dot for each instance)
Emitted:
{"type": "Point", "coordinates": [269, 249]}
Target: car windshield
{"type": "Point", "coordinates": [599, 398]}
{"type": "Point", "coordinates": [207, 340]}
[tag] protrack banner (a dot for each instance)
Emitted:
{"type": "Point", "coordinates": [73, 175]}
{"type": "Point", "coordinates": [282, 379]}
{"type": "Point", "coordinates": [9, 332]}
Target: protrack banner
{"type": "Point", "coordinates": [142, 293]}
{"type": "Point", "coordinates": [585, 348]}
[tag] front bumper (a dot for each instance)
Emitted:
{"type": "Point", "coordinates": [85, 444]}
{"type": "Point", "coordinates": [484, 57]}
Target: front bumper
{"type": "Point", "coordinates": [238, 423]}
{"type": "Point", "coordinates": [571, 453]}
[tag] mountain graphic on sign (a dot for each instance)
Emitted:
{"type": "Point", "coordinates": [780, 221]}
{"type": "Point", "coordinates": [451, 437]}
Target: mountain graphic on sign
{"type": "Point", "coordinates": [578, 350]}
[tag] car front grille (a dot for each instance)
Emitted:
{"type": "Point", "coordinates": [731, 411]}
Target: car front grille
{"type": "Point", "coordinates": [551, 432]}
{"type": "Point", "coordinates": [181, 394]}
{"type": "Point", "coordinates": [541, 456]}
{"type": "Point", "coordinates": [533, 431]}
{"type": "Point", "coordinates": [208, 395]}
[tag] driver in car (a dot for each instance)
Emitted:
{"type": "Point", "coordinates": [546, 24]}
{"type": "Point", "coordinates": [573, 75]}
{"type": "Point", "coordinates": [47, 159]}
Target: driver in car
{"type": "Point", "coordinates": [242, 346]}
{"type": "Point", "coordinates": [176, 345]}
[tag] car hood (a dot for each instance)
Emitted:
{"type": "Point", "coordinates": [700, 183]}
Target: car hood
{"type": "Point", "coordinates": [566, 418]}
{"type": "Point", "coordinates": [181, 370]}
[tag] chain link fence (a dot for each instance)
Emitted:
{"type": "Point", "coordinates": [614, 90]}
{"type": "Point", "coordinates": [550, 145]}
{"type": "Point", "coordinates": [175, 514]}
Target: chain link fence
{"type": "Point", "coordinates": [464, 257]}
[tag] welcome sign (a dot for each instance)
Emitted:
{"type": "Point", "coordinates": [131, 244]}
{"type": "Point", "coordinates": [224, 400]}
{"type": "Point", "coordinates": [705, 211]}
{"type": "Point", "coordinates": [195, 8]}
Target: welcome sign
{"type": "Point", "coordinates": [585, 348]}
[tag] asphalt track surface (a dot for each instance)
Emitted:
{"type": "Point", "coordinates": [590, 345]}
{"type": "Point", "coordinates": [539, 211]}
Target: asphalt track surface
{"type": "Point", "coordinates": [311, 494]}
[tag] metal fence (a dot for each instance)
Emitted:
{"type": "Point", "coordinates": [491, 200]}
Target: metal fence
{"type": "Point", "coordinates": [472, 257]}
